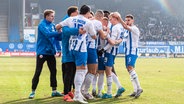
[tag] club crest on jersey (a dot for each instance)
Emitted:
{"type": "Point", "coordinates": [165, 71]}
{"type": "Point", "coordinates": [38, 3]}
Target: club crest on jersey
{"type": "Point", "coordinates": [41, 56]}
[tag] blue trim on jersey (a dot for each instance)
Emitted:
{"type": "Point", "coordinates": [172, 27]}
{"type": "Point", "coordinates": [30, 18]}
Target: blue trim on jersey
{"type": "Point", "coordinates": [125, 48]}
{"type": "Point", "coordinates": [95, 43]}
{"type": "Point", "coordinates": [81, 46]}
{"type": "Point", "coordinates": [112, 50]}
{"type": "Point", "coordinates": [116, 51]}
{"type": "Point", "coordinates": [111, 29]}
{"type": "Point", "coordinates": [99, 41]}
{"type": "Point", "coordinates": [130, 35]}
{"type": "Point", "coordinates": [76, 41]}
{"type": "Point", "coordinates": [121, 35]}
{"type": "Point", "coordinates": [89, 44]}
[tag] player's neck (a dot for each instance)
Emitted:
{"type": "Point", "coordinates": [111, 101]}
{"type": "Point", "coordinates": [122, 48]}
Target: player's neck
{"type": "Point", "coordinates": [84, 15]}
{"type": "Point", "coordinates": [115, 23]}
{"type": "Point", "coordinates": [97, 18]}
{"type": "Point", "coordinates": [130, 24]}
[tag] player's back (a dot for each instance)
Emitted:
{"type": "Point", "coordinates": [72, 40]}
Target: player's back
{"type": "Point", "coordinates": [78, 42]}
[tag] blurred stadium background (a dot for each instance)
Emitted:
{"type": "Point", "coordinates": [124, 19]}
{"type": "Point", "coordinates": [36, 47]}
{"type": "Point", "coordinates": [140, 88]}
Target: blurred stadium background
{"type": "Point", "coordinates": [161, 23]}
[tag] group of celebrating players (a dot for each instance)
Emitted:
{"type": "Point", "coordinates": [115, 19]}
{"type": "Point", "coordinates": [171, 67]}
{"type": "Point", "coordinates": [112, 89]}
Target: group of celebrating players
{"type": "Point", "coordinates": [90, 44]}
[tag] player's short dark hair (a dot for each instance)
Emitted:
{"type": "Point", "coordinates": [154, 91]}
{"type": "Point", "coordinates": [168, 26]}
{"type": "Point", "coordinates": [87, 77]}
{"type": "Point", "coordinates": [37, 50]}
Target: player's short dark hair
{"type": "Point", "coordinates": [48, 12]}
{"type": "Point", "coordinates": [106, 13]}
{"type": "Point", "coordinates": [84, 9]}
{"type": "Point", "coordinates": [129, 16]}
{"type": "Point", "coordinates": [92, 13]}
{"type": "Point", "coordinates": [71, 10]}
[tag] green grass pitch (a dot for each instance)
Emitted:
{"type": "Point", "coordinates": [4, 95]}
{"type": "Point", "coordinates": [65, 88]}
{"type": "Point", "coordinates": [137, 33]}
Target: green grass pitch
{"type": "Point", "coordinates": [162, 80]}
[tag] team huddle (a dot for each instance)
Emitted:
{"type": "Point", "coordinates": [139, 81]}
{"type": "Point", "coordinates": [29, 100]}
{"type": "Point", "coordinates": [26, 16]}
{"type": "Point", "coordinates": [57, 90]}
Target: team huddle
{"type": "Point", "coordinates": [90, 43]}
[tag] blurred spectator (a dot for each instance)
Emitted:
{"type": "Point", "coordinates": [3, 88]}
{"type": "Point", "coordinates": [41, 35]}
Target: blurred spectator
{"type": "Point", "coordinates": [157, 26]}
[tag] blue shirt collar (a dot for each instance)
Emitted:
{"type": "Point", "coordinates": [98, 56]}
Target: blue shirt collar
{"type": "Point", "coordinates": [48, 22]}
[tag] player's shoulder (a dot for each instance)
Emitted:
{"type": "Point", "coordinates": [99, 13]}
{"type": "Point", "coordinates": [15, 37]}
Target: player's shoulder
{"type": "Point", "coordinates": [88, 22]}
{"type": "Point", "coordinates": [68, 19]}
{"type": "Point", "coordinates": [83, 19]}
{"type": "Point", "coordinates": [43, 23]}
{"type": "Point", "coordinates": [117, 26]}
{"type": "Point", "coordinates": [96, 21]}
{"type": "Point", "coordinates": [134, 27]}
{"type": "Point", "coordinates": [71, 18]}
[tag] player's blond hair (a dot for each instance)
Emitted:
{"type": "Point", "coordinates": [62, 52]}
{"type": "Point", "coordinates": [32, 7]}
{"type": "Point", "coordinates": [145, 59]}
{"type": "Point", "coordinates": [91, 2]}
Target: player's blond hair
{"type": "Point", "coordinates": [115, 15]}
{"type": "Point", "coordinates": [105, 18]}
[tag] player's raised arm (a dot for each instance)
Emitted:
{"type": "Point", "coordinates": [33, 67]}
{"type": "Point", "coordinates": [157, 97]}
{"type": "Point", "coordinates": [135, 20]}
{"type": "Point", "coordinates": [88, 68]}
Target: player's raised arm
{"type": "Point", "coordinates": [124, 24]}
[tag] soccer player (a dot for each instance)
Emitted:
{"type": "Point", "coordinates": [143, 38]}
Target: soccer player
{"type": "Point", "coordinates": [110, 53]}
{"type": "Point", "coordinates": [68, 64]}
{"type": "Point", "coordinates": [45, 51]}
{"type": "Point", "coordinates": [114, 75]}
{"type": "Point", "coordinates": [78, 47]}
{"type": "Point", "coordinates": [92, 61]}
{"type": "Point", "coordinates": [101, 65]}
{"type": "Point", "coordinates": [131, 52]}
{"type": "Point", "coordinates": [106, 13]}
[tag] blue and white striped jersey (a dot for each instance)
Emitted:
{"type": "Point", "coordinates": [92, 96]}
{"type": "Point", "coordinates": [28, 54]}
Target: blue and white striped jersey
{"type": "Point", "coordinates": [132, 39]}
{"type": "Point", "coordinates": [117, 32]}
{"type": "Point", "coordinates": [92, 43]}
{"type": "Point", "coordinates": [78, 42]}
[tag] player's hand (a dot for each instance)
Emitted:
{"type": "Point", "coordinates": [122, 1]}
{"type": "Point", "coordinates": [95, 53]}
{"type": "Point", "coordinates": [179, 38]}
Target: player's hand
{"type": "Point", "coordinates": [59, 54]}
{"type": "Point", "coordinates": [82, 31]}
{"type": "Point", "coordinates": [117, 15]}
{"type": "Point", "coordinates": [108, 30]}
{"type": "Point", "coordinates": [58, 27]}
{"type": "Point", "coordinates": [60, 30]}
{"type": "Point", "coordinates": [100, 52]}
{"type": "Point", "coordinates": [104, 28]}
